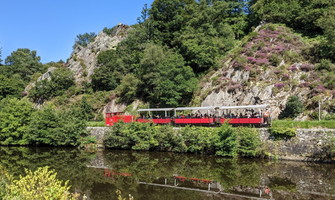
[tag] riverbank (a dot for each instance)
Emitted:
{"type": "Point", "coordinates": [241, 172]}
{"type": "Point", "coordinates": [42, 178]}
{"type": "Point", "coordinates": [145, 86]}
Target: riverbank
{"type": "Point", "coordinates": [307, 144]}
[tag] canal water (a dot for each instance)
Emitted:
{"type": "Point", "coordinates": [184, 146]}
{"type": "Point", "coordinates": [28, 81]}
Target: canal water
{"type": "Point", "coordinates": [161, 175]}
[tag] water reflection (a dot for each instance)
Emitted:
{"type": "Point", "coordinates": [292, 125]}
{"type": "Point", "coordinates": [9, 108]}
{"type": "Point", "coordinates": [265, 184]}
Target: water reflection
{"type": "Point", "coordinates": [175, 176]}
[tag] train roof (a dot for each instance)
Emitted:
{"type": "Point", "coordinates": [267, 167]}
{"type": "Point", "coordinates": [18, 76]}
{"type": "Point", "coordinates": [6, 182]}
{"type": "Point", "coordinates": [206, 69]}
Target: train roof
{"type": "Point", "coordinates": [205, 108]}
{"type": "Point", "coordinates": [154, 109]}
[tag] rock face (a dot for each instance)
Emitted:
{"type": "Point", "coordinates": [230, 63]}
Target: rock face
{"type": "Point", "coordinates": [268, 69]}
{"type": "Point", "coordinates": [83, 60]}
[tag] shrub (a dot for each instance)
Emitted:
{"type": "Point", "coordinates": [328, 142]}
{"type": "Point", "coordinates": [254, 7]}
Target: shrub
{"type": "Point", "coordinates": [223, 141]}
{"type": "Point", "coordinates": [275, 60]}
{"type": "Point", "coordinates": [279, 85]}
{"type": "Point", "coordinates": [325, 64]}
{"type": "Point", "coordinates": [280, 133]}
{"type": "Point", "coordinates": [39, 185]}
{"type": "Point", "coordinates": [234, 142]}
{"type": "Point", "coordinates": [292, 109]}
{"type": "Point", "coordinates": [5, 179]}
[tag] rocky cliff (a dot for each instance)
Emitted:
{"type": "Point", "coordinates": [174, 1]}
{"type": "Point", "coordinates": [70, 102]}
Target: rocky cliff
{"type": "Point", "coordinates": [83, 60]}
{"type": "Point", "coordinates": [269, 66]}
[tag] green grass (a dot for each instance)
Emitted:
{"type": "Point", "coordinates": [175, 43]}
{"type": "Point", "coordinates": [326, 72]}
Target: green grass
{"type": "Point", "coordinates": [304, 124]}
{"type": "Point", "coordinates": [95, 123]}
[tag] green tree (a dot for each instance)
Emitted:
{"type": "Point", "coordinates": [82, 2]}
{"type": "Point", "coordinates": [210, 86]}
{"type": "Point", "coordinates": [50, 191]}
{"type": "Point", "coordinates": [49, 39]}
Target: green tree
{"type": "Point", "coordinates": [84, 39]}
{"type": "Point", "coordinates": [15, 115]}
{"type": "Point", "coordinates": [128, 88]}
{"type": "Point", "coordinates": [166, 80]}
{"type": "Point", "coordinates": [0, 56]}
{"type": "Point", "coordinates": [168, 17]}
{"type": "Point", "coordinates": [292, 109]}
{"type": "Point", "coordinates": [56, 127]}
{"type": "Point", "coordinates": [11, 87]}
{"type": "Point", "coordinates": [23, 62]}
{"type": "Point", "coordinates": [61, 79]}
{"type": "Point", "coordinates": [108, 75]}
{"type": "Point", "coordinates": [327, 23]}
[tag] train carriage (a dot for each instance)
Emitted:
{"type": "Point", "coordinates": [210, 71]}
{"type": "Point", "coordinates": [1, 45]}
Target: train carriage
{"type": "Point", "coordinates": [249, 115]}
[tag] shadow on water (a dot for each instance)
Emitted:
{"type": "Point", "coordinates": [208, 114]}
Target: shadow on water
{"type": "Point", "coordinates": [156, 175]}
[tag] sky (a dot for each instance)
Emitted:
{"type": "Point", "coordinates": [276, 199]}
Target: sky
{"type": "Point", "coordinates": [50, 26]}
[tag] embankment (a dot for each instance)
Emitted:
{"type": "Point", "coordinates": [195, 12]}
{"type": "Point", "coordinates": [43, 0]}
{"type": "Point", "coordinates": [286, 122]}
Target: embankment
{"type": "Point", "coordinates": [307, 145]}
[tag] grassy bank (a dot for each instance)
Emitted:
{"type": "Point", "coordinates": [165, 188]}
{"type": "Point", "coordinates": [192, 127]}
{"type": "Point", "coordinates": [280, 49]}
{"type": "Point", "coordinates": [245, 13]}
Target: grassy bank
{"type": "Point", "coordinates": [303, 124]}
{"type": "Point", "coordinates": [95, 124]}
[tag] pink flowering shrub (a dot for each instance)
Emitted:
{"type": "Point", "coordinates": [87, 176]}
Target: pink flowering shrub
{"type": "Point", "coordinates": [279, 85]}
{"type": "Point", "coordinates": [304, 84]}
{"type": "Point", "coordinates": [293, 68]}
{"type": "Point", "coordinates": [306, 67]}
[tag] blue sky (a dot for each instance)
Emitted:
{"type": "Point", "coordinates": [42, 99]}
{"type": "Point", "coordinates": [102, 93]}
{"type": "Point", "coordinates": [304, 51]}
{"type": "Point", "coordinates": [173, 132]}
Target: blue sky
{"type": "Point", "coordinates": [51, 26]}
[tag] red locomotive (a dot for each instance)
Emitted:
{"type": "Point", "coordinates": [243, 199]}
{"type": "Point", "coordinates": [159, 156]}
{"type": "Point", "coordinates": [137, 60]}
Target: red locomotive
{"type": "Point", "coordinates": [250, 115]}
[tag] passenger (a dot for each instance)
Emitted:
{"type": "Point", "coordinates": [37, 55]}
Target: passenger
{"type": "Point", "coordinates": [266, 117]}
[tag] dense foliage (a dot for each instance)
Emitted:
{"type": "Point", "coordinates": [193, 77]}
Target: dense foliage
{"type": "Point", "coordinates": [223, 141]}
{"type": "Point", "coordinates": [174, 42]}
{"type": "Point", "coordinates": [22, 62]}
{"type": "Point", "coordinates": [21, 124]}
{"type": "Point", "coordinates": [293, 108]}
{"type": "Point", "coordinates": [280, 133]}
{"type": "Point", "coordinates": [38, 185]}
{"type": "Point", "coordinates": [60, 80]}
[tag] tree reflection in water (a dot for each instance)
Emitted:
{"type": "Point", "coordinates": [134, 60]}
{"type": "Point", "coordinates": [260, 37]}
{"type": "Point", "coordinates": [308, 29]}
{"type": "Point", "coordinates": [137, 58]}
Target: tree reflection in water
{"type": "Point", "coordinates": [148, 175]}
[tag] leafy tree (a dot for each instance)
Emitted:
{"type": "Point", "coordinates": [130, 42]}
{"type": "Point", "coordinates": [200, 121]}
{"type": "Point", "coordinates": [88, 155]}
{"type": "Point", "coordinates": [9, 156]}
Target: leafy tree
{"type": "Point", "coordinates": [0, 55]}
{"type": "Point", "coordinates": [108, 75]}
{"type": "Point", "coordinates": [167, 82]}
{"type": "Point", "coordinates": [61, 79]}
{"type": "Point", "coordinates": [144, 14]}
{"type": "Point", "coordinates": [84, 39]}
{"type": "Point", "coordinates": [15, 115]}
{"type": "Point", "coordinates": [292, 109]}
{"type": "Point", "coordinates": [10, 87]}
{"type": "Point", "coordinates": [276, 11]}
{"type": "Point", "coordinates": [56, 127]}
{"type": "Point", "coordinates": [168, 17]}
{"type": "Point", "coordinates": [327, 23]}
{"type": "Point", "coordinates": [128, 88]}
{"type": "Point", "coordinates": [23, 62]}
{"type": "Point", "coordinates": [85, 109]}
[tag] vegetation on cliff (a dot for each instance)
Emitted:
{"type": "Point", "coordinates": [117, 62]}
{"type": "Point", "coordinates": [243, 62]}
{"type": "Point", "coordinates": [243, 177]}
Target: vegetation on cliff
{"type": "Point", "coordinates": [179, 53]}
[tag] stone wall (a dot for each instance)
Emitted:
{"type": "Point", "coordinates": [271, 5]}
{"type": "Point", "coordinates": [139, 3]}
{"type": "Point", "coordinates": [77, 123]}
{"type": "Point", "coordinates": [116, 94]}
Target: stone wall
{"type": "Point", "coordinates": [307, 145]}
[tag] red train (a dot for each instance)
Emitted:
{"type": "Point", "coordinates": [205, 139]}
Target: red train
{"type": "Point", "coordinates": [250, 115]}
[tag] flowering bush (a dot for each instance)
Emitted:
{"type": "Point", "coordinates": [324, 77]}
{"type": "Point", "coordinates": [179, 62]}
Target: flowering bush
{"type": "Point", "coordinates": [306, 67]}
{"type": "Point", "coordinates": [304, 84]}
{"type": "Point", "coordinates": [279, 85]}
{"type": "Point", "coordinates": [262, 61]}
{"type": "Point", "coordinates": [247, 68]}
{"type": "Point", "coordinates": [293, 68]}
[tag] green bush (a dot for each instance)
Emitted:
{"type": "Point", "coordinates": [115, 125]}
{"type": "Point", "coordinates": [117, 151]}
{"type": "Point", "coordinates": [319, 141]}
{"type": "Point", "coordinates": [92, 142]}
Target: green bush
{"type": "Point", "coordinates": [292, 109]}
{"type": "Point", "coordinates": [222, 141]}
{"type": "Point", "coordinates": [5, 179]}
{"type": "Point", "coordinates": [56, 127]}
{"type": "Point", "coordinates": [280, 133]}
{"type": "Point", "coordinates": [235, 142]}
{"type": "Point", "coordinates": [39, 185]}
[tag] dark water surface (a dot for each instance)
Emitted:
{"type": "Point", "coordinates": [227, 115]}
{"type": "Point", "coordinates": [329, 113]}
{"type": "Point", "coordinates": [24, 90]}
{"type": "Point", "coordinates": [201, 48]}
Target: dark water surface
{"type": "Point", "coordinates": [151, 175]}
